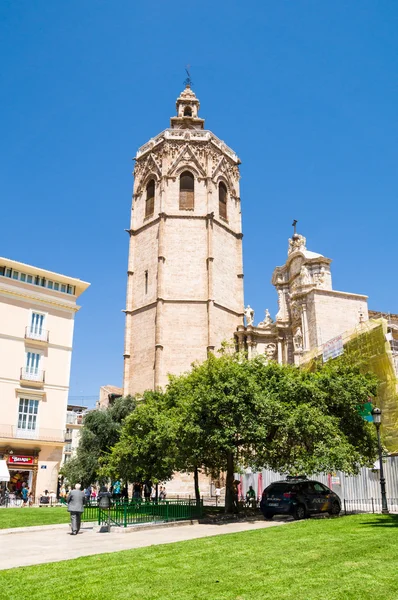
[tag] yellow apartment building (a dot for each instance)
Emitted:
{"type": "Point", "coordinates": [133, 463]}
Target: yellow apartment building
{"type": "Point", "coordinates": [37, 311]}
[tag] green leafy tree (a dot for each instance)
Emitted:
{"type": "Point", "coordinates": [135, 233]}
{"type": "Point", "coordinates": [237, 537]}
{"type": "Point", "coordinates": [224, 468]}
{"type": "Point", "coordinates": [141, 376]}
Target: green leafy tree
{"type": "Point", "coordinates": [101, 430]}
{"type": "Point", "coordinates": [239, 412]}
{"type": "Point", "coordinates": [230, 412]}
{"type": "Point", "coordinates": [146, 450]}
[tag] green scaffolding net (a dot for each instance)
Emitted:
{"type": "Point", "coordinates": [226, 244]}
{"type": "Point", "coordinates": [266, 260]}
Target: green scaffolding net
{"type": "Point", "coordinates": [369, 340]}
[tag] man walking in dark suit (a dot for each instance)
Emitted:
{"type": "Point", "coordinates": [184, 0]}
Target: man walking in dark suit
{"type": "Point", "coordinates": [75, 502]}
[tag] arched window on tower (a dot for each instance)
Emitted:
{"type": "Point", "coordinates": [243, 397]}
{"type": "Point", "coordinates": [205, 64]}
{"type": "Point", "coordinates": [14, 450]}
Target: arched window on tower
{"type": "Point", "coordinates": [187, 191]}
{"type": "Point", "coordinates": [150, 198]}
{"type": "Point", "coordinates": [222, 200]}
{"type": "Point", "coordinates": [187, 111]}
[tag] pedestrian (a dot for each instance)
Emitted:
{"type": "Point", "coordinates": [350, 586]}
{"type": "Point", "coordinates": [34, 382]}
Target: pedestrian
{"type": "Point", "coordinates": [25, 494]}
{"type": "Point", "coordinates": [218, 495]}
{"type": "Point", "coordinates": [117, 488]}
{"type": "Point", "coordinates": [147, 491]}
{"type": "Point", "coordinates": [105, 503]}
{"type": "Point", "coordinates": [137, 493]}
{"type": "Point", "coordinates": [251, 497]}
{"type": "Point", "coordinates": [153, 493]}
{"type": "Point", "coordinates": [104, 498]}
{"type": "Point", "coordinates": [162, 494]}
{"type": "Point", "coordinates": [75, 502]}
{"type": "Point", "coordinates": [87, 494]}
{"type": "Point", "coordinates": [235, 495]}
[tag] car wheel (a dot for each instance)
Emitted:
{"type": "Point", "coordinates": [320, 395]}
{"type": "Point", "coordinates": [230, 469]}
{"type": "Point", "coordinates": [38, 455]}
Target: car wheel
{"type": "Point", "coordinates": [268, 516]}
{"type": "Point", "coordinates": [299, 512]}
{"type": "Point", "coordinates": [335, 509]}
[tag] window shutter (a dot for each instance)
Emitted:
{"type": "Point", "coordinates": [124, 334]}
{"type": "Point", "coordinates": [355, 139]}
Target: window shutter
{"type": "Point", "coordinates": [222, 201]}
{"type": "Point", "coordinates": [149, 206]}
{"type": "Point", "coordinates": [186, 200]}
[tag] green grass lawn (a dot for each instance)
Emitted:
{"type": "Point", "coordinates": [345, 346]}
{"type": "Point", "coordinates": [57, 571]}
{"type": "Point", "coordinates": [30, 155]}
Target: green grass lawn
{"type": "Point", "coordinates": [349, 558]}
{"type": "Point", "coordinates": [25, 517]}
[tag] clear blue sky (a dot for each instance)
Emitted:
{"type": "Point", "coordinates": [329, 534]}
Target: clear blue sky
{"type": "Point", "coordinates": [304, 91]}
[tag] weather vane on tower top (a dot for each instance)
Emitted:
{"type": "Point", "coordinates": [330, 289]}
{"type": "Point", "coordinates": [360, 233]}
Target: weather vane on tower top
{"type": "Point", "coordinates": [188, 81]}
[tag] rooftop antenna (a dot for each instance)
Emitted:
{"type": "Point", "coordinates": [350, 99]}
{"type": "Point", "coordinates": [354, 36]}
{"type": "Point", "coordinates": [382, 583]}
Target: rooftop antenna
{"type": "Point", "coordinates": [188, 81]}
{"type": "Point", "coordinates": [294, 224]}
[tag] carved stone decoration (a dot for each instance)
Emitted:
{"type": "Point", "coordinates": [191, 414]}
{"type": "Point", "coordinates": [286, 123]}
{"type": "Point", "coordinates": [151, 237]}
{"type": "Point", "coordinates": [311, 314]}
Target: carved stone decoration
{"type": "Point", "coordinates": [298, 340]}
{"type": "Point", "coordinates": [223, 167]}
{"type": "Point", "coordinates": [267, 320]}
{"type": "Point", "coordinates": [295, 311]}
{"type": "Point", "coordinates": [280, 314]}
{"type": "Point", "coordinates": [249, 315]}
{"type": "Point", "coordinates": [270, 351]}
{"type": "Point", "coordinates": [151, 164]}
{"type": "Point", "coordinates": [319, 278]}
{"type": "Point", "coordinates": [185, 155]}
{"type": "Point", "coordinates": [297, 242]}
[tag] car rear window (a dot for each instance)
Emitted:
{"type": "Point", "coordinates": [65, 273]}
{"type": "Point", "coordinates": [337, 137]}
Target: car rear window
{"type": "Point", "coordinates": [279, 488]}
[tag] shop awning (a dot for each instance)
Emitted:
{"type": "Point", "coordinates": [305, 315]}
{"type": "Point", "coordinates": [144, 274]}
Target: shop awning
{"type": "Point", "coordinates": [4, 473]}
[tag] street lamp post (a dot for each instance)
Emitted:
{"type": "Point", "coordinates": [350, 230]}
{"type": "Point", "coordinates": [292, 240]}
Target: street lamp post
{"type": "Point", "coordinates": [376, 414]}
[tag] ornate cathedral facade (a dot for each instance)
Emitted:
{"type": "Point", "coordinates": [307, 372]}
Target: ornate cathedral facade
{"type": "Point", "coordinates": [310, 312]}
{"type": "Point", "coordinates": [185, 273]}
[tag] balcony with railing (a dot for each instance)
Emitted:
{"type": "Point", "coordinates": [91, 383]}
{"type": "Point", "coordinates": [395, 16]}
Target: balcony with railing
{"type": "Point", "coordinates": [32, 376]}
{"type": "Point", "coordinates": [40, 434]}
{"type": "Point", "coordinates": [74, 418]}
{"type": "Point", "coordinates": [37, 334]}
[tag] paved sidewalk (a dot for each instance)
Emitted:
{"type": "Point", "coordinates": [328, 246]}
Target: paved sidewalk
{"type": "Point", "coordinates": [53, 544]}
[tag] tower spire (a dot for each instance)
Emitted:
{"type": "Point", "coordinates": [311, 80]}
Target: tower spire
{"type": "Point", "coordinates": [187, 106]}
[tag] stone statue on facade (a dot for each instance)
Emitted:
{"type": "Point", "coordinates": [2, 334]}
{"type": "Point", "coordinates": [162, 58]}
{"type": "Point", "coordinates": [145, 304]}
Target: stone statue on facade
{"type": "Point", "coordinates": [298, 340]}
{"type": "Point", "coordinates": [249, 314]}
{"type": "Point", "coordinates": [305, 276]}
{"type": "Point", "coordinates": [267, 320]}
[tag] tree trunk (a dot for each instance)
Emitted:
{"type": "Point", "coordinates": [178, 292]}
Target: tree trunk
{"type": "Point", "coordinates": [231, 499]}
{"type": "Point", "coordinates": [196, 483]}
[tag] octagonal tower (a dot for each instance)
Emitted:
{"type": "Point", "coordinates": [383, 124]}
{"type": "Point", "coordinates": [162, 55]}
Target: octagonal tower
{"type": "Point", "coordinates": [185, 274]}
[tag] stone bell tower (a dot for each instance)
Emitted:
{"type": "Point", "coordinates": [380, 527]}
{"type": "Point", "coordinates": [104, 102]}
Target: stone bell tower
{"type": "Point", "coordinates": [185, 277]}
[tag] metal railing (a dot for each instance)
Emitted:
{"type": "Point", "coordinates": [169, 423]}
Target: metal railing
{"type": "Point", "coordinates": [41, 433]}
{"type": "Point", "coordinates": [36, 333]}
{"type": "Point", "coordinates": [122, 514]}
{"type": "Point", "coordinates": [368, 505]}
{"type": "Point", "coordinates": [138, 513]}
{"type": "Point", "coordinates": [30, 374]}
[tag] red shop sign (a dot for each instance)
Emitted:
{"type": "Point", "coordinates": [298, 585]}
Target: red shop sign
{"type": "Point", "coordinates": [20, 460]}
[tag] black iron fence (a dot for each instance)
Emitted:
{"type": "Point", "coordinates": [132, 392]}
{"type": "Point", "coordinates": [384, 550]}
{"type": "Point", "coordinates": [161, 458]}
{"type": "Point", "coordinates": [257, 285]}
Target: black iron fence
{"type": "Point", "coordinates": [368, 505]}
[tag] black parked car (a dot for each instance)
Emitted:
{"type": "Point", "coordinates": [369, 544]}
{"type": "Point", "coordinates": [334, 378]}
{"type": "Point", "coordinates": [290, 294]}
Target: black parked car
{"type": "Point", "coordinates": [299, 497]}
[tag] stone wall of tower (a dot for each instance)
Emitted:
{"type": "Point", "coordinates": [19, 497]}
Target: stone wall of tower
{"type": "Point", "coordinates": [185, 282]}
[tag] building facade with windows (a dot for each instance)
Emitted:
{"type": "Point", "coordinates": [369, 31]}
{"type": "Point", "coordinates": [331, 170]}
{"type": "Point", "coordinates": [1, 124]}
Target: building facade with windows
{"type": "Point", "coordinates": [74, 422]}
{"type": "Point", "coordinates": [185, 273]}
{"type": "Point", "coordinates": [37, 310]}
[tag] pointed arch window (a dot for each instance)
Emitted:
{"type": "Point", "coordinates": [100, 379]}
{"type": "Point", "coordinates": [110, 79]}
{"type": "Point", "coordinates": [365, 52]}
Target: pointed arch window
{"type": "Point", "coordinates": [187, 111]}
{"type": "Point", "coordinates": [150, 199]}
{"type": "Point", "coordinates": [222, 200]}
{"type": "Point", "coordinates": [187, 191]}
